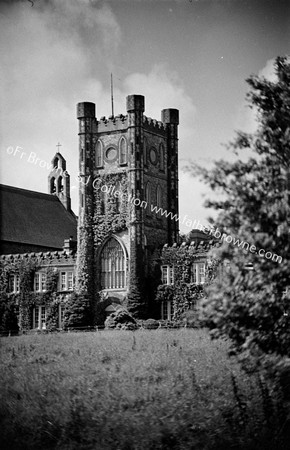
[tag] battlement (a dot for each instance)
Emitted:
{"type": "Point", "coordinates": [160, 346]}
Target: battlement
{"type": "Point", "coordinates": [112, 123]}
{"type": "Point", "coordinates": [203, 245]}
{"type": "Point", "coordinates": [153, 125]}
{"type": "Point", "coordinates": [54, 255]}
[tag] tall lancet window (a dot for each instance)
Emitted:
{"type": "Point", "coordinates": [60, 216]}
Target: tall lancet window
{"type": "Point", "coordinates": [52, 185]}
{"type": "Point", "coordinates": [123, 151]}
{"type": "Point", "coordinates": [118, 196]}
{"type": "Point", "coordinates": [113, 263]}
{"type": "Point", "coordinates": [99, 154]}
{"type": "Point", "coordinates": [103, 199]}
{"type": "Point", "coordinates": [161, 155]}
{"type": "Point", "coordinates": [60, 185]}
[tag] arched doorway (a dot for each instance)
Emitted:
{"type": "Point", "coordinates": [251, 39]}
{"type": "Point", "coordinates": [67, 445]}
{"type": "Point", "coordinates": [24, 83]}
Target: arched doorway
{"type": "Point", "coordinates": [113, 265]}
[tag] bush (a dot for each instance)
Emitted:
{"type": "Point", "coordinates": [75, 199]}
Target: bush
{"type": "Point", "coordinates": [151, 324]}
{"type": "Point", "coordinates": [121, 319]}
{"type": "Point", "coordinates": [8, 317]}
{"type": "Point", "coordinates": [190, 319]}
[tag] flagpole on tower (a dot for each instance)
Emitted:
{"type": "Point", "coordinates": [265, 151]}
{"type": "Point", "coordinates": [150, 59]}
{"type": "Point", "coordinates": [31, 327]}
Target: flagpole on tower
{"type": "Point", "coordinates": [112, 97]}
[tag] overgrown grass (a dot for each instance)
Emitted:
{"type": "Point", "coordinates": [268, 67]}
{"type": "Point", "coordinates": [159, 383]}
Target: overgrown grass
{"type": "Point", "coordinates": [128, 390]}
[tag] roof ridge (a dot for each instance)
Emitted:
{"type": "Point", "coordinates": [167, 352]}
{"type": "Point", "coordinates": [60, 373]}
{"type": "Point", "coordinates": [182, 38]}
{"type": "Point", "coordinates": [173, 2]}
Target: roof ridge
{"type": "Point", "coordinates": [28, 191]}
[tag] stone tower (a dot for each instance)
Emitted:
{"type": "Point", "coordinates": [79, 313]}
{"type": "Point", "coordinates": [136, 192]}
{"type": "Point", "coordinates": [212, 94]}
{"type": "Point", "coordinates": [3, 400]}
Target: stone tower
{"type": "Point", "coordinates": [59, 180]}
{"type": "Point", "coordinates": [128, 168]}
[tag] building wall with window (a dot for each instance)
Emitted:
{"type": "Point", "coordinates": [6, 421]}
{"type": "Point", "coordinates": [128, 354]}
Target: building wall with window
{"type": "Point", "coordinates": [185, 269]}
{"type": "Point", "coordinates": [30, 285]}
{"type": "Point", "coordinates": [128, 194]}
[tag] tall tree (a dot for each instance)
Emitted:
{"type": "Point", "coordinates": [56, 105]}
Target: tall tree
{"type": "Point", "coordinates": [250, 306]}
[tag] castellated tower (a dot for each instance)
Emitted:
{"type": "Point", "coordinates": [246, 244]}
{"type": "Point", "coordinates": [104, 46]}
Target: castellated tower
{"type": "Point", "coordinates": [128, 169]}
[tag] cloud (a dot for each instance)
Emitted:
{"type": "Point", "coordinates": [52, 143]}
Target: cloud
{"type": "Point", "coordinates": [60, 53]}
{"type": "Point", "coordinates": [268, 71]}
{"type": "Point", "coordinates": [192, 194]}
{"type": "Point", "coordinates": [162, 89]}
{"type": "Point", "coordinates": [51, 53]}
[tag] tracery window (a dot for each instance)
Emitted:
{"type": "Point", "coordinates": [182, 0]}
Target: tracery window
{"type": "Point", "coordinates": [113, 263]}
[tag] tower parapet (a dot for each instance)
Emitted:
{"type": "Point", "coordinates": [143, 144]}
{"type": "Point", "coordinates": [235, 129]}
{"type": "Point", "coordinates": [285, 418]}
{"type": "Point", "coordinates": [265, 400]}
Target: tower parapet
{"type": "Point", "coordinates": [170, 116]}
{"type": "Point", "coordinates": [86, 110]}
{"type": "Point", "coordinates": [135, 103]}
{"type": "Point", "coordinates": [112, 123]}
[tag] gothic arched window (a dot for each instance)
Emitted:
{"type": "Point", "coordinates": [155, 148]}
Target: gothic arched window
{"type": "Point", "coordinates": [55, 162]}
{"type": "Point", "coordinates": [123, 151]}
{"type": "Point", "coordinates": [118, 196]}
{"type": "Point", "coordinates": [59, 185]}
{"type": "Point", "coordinates": [161, 156]}
{"type": "Point", "coordinates": [52, 185]}
{"type": "Point", "coordinates": [148, 198]}
{"type": "Point", "coordinates": [113, 263]}
{"type": "Point", "coordinates": [103, 200]}
{"type": "Point", "coordinates": [82, 154]}
{"type": "Point", "coordinates": [99, 154]}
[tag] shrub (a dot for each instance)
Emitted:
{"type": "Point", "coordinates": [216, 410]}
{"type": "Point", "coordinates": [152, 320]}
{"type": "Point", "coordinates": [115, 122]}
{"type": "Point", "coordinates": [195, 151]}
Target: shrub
{"type": "Point", "coordinates": [190, 319]}
{"type": "Point", "coordinates": [8, 318]}
{"type": "Point", "coordinates": [151, 324]}
{"type": "Point", "coordinates": [120, 319]}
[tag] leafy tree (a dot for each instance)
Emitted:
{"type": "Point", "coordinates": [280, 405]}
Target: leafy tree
{"type": "Point", "coordinates": [77, 312]}
{"type": "Point", "coordinates": [8, 317]}
{"type": "Point", "coordinates": [250, 306]}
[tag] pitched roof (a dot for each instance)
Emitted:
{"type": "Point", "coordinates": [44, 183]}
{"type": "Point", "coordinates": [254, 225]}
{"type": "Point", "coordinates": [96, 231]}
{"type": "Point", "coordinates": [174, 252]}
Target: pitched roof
{"type": "Point", "coordinates": [30, 217]}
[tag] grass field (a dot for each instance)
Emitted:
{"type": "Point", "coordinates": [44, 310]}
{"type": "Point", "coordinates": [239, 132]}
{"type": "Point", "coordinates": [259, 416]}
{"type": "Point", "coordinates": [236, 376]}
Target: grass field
{"type": "Point", "coordinates": [127, 390]}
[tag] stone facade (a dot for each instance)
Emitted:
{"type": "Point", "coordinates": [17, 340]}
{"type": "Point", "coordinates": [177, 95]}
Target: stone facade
{"type": "Point", "coordinates": [128, 165]}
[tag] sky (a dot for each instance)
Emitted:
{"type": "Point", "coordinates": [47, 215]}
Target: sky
{"type": "Point", "coordinates": [193, 55]}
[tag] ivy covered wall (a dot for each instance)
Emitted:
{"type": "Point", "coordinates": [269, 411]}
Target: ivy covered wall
{"type": "Point", "coordinates": [184, 294]}
{"type": "Point", "coordinates": [23, 302]}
